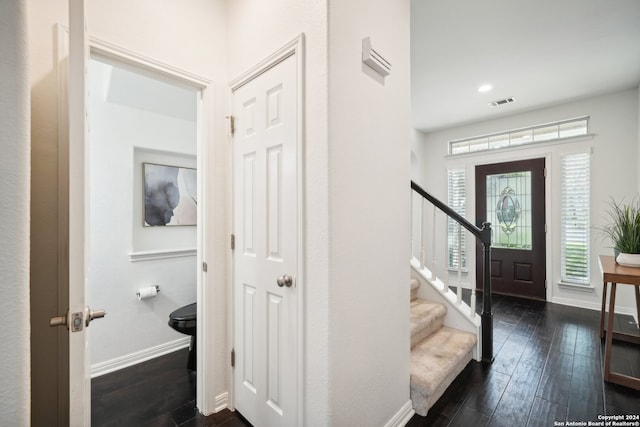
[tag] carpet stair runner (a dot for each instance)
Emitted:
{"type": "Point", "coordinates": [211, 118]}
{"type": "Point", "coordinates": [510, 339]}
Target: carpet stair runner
{"type": "Point", "coordinates": [438, 353]}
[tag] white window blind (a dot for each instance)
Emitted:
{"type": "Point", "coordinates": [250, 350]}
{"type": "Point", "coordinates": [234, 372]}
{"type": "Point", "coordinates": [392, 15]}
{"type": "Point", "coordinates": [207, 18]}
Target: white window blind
{"type": "Point", "coordinates": [574, 219]}
{"type": "Point", "coordinates": [457, 202]}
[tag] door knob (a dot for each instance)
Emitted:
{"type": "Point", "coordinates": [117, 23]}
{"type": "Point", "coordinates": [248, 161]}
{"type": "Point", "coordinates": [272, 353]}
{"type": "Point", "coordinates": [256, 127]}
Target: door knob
{"type": "Point", "coordinates": [89, 315]}
{"type": "Point", "coordinates": [59, 320]}
{"type": "Point", "coordinates": [285, 280]}
{"type": "Point", "coordinates": [74, 321]}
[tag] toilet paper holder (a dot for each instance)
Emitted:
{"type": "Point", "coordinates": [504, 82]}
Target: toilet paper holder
{"type": "Point", "coordinates": [143, 289]}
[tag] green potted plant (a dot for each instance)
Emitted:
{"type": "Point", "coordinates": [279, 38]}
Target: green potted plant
{"type": "Point", "coordinates": [624, 231]}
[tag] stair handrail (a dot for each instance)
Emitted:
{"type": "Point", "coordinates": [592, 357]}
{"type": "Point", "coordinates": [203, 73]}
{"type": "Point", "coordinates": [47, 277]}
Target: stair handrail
{"type": "Point", "coordinates": [483, 234]}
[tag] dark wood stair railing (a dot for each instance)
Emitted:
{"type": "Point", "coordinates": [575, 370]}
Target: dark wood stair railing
{"type": "Point", "coordinates": [484, 236]}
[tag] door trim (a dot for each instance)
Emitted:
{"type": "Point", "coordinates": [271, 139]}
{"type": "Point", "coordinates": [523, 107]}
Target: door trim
{"type": "Point", "coordinates": [294, 47]}
{"type": "Point", "coordinates": [205, 396]}
{"type": "Point", "coordinates": [205, 399]}
{"type": "Point", "coordinates": [124, 55]}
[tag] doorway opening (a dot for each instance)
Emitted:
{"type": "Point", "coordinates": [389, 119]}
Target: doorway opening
{"type": "Point", "coordinates": [144, 216]}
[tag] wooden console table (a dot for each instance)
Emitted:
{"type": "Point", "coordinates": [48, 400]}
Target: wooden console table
{"type": "Point", "coordinates": [614, 273]}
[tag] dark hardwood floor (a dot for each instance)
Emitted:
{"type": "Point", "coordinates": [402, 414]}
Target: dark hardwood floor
{"type": "Point", "coordinates": [547, 368]}
{"type": "Point", "coordinates": [157, 393]}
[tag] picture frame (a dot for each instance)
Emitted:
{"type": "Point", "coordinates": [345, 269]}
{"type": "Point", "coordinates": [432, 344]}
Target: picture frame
{"type": "Point", "coordinates": [170, 195]}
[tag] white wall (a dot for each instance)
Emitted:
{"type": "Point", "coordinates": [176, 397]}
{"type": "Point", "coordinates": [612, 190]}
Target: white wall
{"type": "Point", "coordinates": [122, 136]}
{"type": "Point", "coordinates": [417, 175]}
{"type": "Point", "coordinates": [614, 173]}
{"type": "Point", "coordinates": [189, 38]}
{"type": "Point", "coordinates": [369, 176]}
{"type": "Point", "coordinates": [14, 211]}
{"type": "Point", "coordinates": [352, 345]}
{"type": "Point", "coordinates": [417, 155]}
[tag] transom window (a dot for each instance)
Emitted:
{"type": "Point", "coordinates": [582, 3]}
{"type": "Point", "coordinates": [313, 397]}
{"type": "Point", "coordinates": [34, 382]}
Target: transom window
{"type": "Point", "coordinates": [512, 138]}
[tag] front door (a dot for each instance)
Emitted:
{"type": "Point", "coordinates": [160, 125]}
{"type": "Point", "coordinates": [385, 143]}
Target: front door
{"type": "Point", "coordinates": [511, 197]}
{"type": "Point", "coordinates": [266, 252]}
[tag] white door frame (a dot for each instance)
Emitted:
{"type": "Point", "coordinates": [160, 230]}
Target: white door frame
{"type": "Point", "coordinates": [205, 399]}
{"type": "Point", "coordinates": [293, 48]}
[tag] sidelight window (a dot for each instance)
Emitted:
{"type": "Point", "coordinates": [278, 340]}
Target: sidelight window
{"type": "Point", "coordinates": [574, 219]}
{"type": "Point", "coordinates": [457, 200]}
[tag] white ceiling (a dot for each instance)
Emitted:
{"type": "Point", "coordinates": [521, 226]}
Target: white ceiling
{"type": "Point", "coordinates": [124, 85]}
{"type": "Point", "coordinates": [540, 52]}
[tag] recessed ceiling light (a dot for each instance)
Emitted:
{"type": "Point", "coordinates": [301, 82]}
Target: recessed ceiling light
{"type": "Point", "coordinates": [485, 88]}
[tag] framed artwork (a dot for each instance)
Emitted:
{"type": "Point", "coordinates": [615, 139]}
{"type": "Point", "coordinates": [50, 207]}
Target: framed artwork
{"type": "Point", "coordinates": [170, 195]}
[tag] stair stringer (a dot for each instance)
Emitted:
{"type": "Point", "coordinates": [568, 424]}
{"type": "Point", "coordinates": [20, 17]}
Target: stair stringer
{"type": "Point", "coordinates": [457, 314]}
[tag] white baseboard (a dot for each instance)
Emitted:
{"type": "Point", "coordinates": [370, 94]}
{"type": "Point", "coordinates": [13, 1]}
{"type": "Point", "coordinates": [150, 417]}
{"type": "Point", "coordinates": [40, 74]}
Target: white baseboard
{"type": "Point", "coordinates": [125, 361]}
{"type": "Point", "coordinates": [593, 306]}
{"type": "Point", "coordinates": [221, 402]}
{"type": "Point", "coordinates": [575, 303]}
{"type": "Point", "coordinates": [402, 417]}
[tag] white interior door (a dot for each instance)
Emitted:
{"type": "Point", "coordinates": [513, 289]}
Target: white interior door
{"type": "Point", "coordinates": [79, 382]}
{"type": "Point", "coordinates": [266, 255]}
{"type": "Point", "coordinates": [74, 395]}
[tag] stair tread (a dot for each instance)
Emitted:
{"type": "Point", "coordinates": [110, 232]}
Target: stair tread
{"type": "Point", "coordinates": [435, 362]}
{"type": "Point", "coordinates": [426, 317]}
{"type": "Point", "coordinates": [443, 348]}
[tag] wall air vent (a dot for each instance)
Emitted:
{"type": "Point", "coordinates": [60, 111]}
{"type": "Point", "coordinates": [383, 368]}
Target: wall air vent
{"type": "Point", "coordinates": [373, 59]}
{"type": "Point", "coordinates": [501, 102]}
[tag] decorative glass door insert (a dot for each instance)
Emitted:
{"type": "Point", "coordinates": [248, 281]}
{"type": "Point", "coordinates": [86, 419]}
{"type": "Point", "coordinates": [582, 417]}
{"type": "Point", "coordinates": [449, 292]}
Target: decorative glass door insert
{"type": "Point", "coordinates": [509, 209]}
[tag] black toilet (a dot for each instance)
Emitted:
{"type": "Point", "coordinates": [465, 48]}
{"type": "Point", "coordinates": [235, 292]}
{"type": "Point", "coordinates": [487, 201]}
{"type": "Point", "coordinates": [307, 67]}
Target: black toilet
{"type": "Point", "coordinates": [184, 320]}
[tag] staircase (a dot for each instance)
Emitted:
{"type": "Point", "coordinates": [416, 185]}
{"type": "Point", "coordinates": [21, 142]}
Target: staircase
{"type": "Point", "coordinates": [438, 352]}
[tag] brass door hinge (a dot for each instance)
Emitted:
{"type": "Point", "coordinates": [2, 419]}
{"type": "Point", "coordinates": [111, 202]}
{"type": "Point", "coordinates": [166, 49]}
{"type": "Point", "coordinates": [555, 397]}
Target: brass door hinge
{"type": "Point", "coordinates": [232, 124]}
